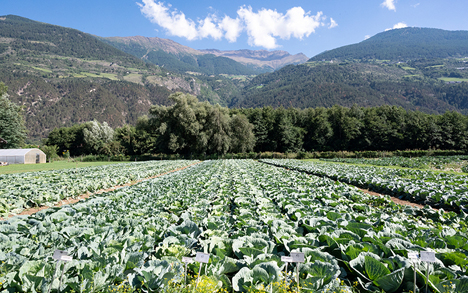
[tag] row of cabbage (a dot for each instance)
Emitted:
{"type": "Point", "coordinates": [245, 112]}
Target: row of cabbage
{"type": "Point", "coordinates": [246, 215]}
{"type": "Point", "coordinates": [45, 188]}
{"type": "Point", "coordinates": [440, 190]}
{"type": "Point", "coordinates": [436, 162]}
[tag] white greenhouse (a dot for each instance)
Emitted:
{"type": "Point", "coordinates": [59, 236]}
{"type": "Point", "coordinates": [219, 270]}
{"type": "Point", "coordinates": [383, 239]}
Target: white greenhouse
{"type": "Point", "coordinates": [22, 156]}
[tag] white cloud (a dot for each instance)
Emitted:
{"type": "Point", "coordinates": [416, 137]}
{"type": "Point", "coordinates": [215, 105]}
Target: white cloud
{"type": "Point", "coordinates": [366, 37]}
{"type": "Point", "coordinates": [207, 28]}
{"type": "Point", "coordinates": [332, 23]}
{"type": "Point", "coordinates": [175, 22]}
{"type": "Point", "coordinates": [232, 27]}
{"type": "Point", "coordinates": [389, 4]}
{"type": "Point", "coordinates": [263, 27]}
{"type": "Point", "coordinates": [397, 26]}
{"type": "Point", "coordinates": [415, 5]}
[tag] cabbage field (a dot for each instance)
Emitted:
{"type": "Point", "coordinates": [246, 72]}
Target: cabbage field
{"type": "Point", "coordinates": [45, 188]}
{"type": "Point", "coordinates": [426, 162]}
{"type": "Point", "coordinates": [440, 190]}
{"type": "Point", "coordinates": [246, 215]}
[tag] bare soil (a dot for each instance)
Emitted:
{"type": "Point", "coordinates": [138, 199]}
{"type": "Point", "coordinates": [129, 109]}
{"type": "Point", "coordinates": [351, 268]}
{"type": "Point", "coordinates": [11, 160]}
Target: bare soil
{"type": "Point", "coordinates": [394, 199]}
{"type": "Point", "coordinates": [73, 200]}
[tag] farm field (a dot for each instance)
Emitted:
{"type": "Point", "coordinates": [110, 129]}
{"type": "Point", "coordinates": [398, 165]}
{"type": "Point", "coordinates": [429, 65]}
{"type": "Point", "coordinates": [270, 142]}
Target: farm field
{"type": "Point", "coordinates": [440, 190]}
{"type": "Point", "coordinates": [444, 163]}
{"type": "Point", "coordinates": [20, 191]}
{"type": "Point", "coordinates": [56, 165]}
{"type": "Point", "coordinates": [247, 215]}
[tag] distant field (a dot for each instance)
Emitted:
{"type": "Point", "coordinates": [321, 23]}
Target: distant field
{"type": "Point", "coordinates": [453, 79]}
{"type": "Point", "coordinates": [413, 75]}
{"type": "Point", "coordinates": [133, 77]}
{"type": "Point", "coordinates": [435, 66]}
{"type": "Point", "coordinates": [19, 168]}
{"type": "Point", "coordinates": [241, 77]}
{"type": "Point", "coordinates": [42, 69]}
{"type": "Point", "coordinates": [408, 68]}
{"type": "Point", "coordinates": [103, 75]}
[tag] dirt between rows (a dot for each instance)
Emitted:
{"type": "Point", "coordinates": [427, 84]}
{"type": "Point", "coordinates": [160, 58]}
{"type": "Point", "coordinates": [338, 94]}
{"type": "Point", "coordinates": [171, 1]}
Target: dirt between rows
{"type": "Point", "coordinates": [394, 199]}
{"type": "Point", "coordinates": [73, 200]}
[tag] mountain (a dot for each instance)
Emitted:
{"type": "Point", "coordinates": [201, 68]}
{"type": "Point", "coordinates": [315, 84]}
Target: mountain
{"type": "Point", "coordinates": [175, 57]}
{"type": "Point", "coordinates": [415, 68]}
{"type": "Point", "coordinates": [403, 44]}
{"type": "Point", "coordinates": [265, 61]}
{"type": "Point", "coordinates": [140, 46]}
{"type": "Point", "coordinates": [346, 84]}
{"type": "Point", "coordinates": [63, 76]}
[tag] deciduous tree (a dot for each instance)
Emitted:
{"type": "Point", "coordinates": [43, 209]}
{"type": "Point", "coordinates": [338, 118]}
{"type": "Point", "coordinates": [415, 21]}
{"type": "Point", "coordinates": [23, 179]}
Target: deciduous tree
{"type": "Point", "coordinates": [12, 125]}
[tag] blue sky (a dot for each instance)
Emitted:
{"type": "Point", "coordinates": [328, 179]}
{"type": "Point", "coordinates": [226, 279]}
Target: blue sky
{"type": "Point", "coordinates": [310, 27]}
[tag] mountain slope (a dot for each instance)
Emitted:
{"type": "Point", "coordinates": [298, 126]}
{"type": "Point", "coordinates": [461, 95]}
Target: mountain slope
{"type": "Point", "coordinates": [182, 58]}
{"type": "Point", "coordinates": [173, 56]}
{"type": "Point", "coordinates": [63, 76]}
{"type": "Point", "coordinates": [403, 44]}
{"type": "Point", "coordinates": [27, 35]}
{"type": "Point", "coordinates": [367, 85]}
{"type": "Point", "coordinates": [142, 45]}
{"type": "Point", "coordinates": [265, 61]}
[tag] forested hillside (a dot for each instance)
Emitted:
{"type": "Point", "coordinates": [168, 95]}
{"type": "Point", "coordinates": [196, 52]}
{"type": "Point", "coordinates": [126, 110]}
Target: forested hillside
{"type": "Point", "coordinates": [24, 36]}
{"type": "Point", "coordinates": [346, 84]}
{"type": "Point", "coordinates": [176, 57]}
{"type": "Point", "coordinates": [403, 44]}
{"type": "Point", "coordinates": [52, 69]}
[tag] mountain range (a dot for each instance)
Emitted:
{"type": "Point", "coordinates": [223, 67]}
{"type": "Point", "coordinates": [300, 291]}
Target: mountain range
{"type": "Point", "coordinates": [177, 57]}
{"type": "Point", "coordinates": [63, 76]}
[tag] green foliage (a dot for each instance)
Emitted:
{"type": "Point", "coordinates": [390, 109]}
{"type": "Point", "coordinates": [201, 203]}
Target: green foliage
{"type": "Point", "coordinates": [425, 162]}
{"type": "Point", "coordinates": [385, 128]}
{"type": "Point", "coordinates": [50, 151]}
{"type": "Point", "coordinates": [12, 126]}
{"type": "Point", "coordinates": [46, 188]}
{"type": "Point", "coordinates": [442, 190]}
{"type": "Point", "coordinates": [97, 137]}
{"type": "Point", "coordinates": [68, 139]}
{"type": "Point", "coordinates": [190, 126]}
{"type": "Point", "coordinates": [247, 215]}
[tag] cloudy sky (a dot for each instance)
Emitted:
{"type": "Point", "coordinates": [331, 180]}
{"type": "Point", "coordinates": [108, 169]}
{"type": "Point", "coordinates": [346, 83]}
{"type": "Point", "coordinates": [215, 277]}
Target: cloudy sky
{"type": "Point", "coordinates": [309, 26]}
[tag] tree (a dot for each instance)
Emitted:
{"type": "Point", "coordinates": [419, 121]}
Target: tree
{"type": "Point", "coordinates": [68, 139]}
{"type": "Point", "coordinates": [180, 127]}
{"type": "Point", "coordinates": [288, 136]}
{"type": "Point", "coordinates": [97, 136]}
{"type": "Point", "coordinates": [242, 137]}
{"type": "Point", "coordinates": [318, 128]}
{"type": "Point", "coordinates": [50, 151]}
{"type": "Point", "coordinates": [217, 129]}
{"type": "Point", "coordinates": [190, 126]}
{"type": "Point", "coordinates": [126, 136]}
{"type": "Point", "coordinates": [12, 126]}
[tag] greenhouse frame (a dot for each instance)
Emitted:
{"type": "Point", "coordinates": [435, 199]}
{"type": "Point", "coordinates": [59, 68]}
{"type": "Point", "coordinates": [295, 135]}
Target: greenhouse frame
{"type": "Point", "coordinates": [22, 156]}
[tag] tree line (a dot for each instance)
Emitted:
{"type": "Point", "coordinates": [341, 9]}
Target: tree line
{"type": "Point", "coordinates": [189, 126]}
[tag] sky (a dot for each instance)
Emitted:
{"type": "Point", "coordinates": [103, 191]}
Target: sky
{"type": "Point", "coordinates": [304, 26]}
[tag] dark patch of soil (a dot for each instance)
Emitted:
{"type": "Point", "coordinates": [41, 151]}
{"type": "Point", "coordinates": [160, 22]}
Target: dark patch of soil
{"type": "Point", "coordinates": [394, 199]}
